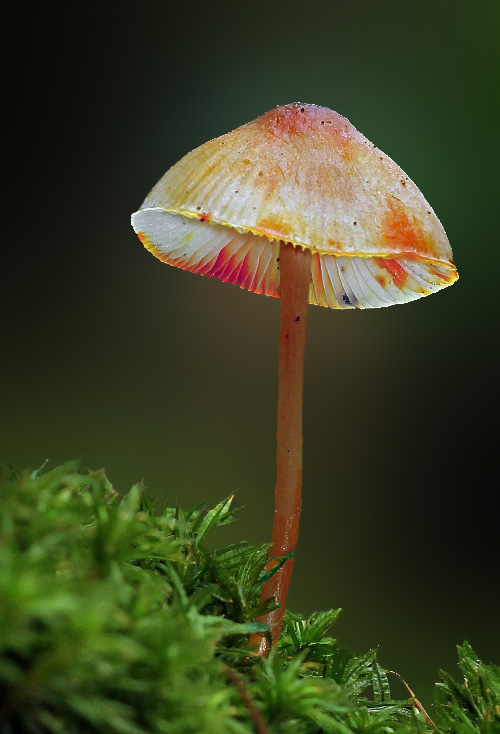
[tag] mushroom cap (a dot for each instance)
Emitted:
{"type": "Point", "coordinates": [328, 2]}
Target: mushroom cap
{"type": "Point", "coordinates": [304, 175]}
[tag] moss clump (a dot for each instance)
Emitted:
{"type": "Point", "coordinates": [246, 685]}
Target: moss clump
{"type": "Point", "coordinates": [114, 618]}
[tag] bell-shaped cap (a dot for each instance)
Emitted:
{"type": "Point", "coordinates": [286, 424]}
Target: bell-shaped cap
{"type": "Point", "coordinates": [302, 174]}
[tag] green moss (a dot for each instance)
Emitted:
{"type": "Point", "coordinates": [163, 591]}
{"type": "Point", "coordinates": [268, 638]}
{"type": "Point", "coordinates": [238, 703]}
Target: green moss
{"type": "Point", "coordinates": [114, 618]}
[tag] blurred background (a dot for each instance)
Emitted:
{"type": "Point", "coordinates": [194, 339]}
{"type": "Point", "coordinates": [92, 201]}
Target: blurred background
{"type": "Point", "coordinates": [152, 372]}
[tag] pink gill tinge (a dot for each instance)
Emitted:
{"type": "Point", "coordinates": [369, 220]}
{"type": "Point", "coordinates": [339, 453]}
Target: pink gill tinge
{"type": "Point", "coordinates": [252, 262]}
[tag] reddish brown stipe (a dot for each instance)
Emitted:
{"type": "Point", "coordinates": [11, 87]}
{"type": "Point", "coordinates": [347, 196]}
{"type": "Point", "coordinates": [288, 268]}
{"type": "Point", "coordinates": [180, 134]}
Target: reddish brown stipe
{"type": "Point", "coordinates": [295, 271]}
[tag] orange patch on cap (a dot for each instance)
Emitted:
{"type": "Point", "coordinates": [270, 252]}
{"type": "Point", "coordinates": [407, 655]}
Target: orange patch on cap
{"type": "Point", "coordinates": [296, 119]}
{"type": "Point", "coordinates": [274, 225]}
{"type": "Point", "coordinates": [403, 233]}
{"type": "Point", "coordinates": [205, 217]}
{"type": "Point", "coordinates": [397, 273]}
{"type": "Point", "coordinates": [273, 179]}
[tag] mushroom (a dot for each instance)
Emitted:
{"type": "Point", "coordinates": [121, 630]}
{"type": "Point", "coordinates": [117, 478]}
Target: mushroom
{"type": "Point", "coordinates": [299, 205]}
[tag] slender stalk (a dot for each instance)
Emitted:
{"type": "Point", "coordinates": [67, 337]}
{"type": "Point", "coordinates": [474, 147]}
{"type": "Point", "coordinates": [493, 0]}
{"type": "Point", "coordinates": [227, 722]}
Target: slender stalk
{"type": "Point", "coordinates": [255, 715]}
{"type": "Point", "coordinates": [295, 276]}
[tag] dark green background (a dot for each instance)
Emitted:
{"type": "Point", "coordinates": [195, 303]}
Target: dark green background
{"type": "Point", "coordinates": [153, 372]}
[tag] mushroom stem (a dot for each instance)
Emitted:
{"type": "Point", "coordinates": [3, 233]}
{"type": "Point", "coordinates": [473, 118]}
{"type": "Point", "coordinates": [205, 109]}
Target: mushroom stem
{"type": "Point", "coordinates": [295, 276]}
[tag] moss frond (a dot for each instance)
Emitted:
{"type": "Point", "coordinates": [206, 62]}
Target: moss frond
{"type": "Point", "coordinates": [115, 618]}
